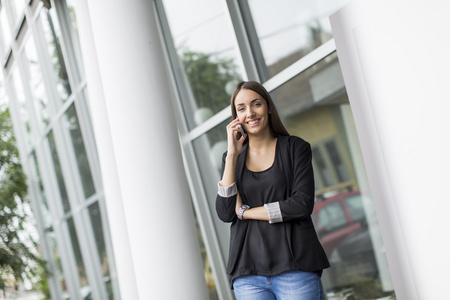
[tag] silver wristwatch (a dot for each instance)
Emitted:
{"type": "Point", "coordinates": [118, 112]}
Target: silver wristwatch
{"type": "Point", "coordinates": [241, 211]}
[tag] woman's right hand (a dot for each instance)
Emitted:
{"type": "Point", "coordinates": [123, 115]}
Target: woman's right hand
{"type": "Point", "coordinates": [234, 145]}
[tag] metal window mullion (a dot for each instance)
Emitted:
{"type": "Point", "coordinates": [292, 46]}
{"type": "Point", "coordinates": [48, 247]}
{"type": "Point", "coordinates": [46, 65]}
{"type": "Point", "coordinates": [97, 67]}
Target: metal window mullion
{"type": "Point", "coordinates": [301, 65]}
{"type": "Point", "coordinates": [243, 40]}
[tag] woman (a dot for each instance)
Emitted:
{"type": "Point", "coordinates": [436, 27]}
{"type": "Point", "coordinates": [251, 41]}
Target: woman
{"type": "Point", "coordinates": [267, 193]}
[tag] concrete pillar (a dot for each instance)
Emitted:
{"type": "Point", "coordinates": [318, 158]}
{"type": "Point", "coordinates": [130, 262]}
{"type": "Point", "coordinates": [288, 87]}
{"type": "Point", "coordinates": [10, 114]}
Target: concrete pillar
{"type": "Point", "coordinates": [148, 203]}
{"type": "Point", "coordinates": [395, 64]}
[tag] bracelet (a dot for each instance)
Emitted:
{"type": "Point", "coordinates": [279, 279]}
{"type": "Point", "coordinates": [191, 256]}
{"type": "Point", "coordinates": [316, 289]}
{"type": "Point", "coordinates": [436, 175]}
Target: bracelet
{"type": "Point", "coordinates": [241, 211]}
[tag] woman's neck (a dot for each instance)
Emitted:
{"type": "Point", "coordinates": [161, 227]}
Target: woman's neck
{"type": "Point", "coordinates": [260, 142]}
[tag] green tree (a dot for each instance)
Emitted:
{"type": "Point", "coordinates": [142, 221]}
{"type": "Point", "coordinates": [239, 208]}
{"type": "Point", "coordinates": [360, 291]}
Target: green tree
{"type": "Point", "coordinates": [18, 249]}
{"type": "Point", "coordinates": [208, 78]}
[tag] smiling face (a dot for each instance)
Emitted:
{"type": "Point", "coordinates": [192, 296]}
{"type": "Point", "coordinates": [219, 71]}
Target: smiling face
{"type": "Point", "coordinates": [252, 111]}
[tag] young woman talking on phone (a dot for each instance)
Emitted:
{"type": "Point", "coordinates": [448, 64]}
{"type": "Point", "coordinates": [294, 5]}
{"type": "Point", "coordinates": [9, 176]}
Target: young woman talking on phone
{"type": "Point", "coordinates": [267, 193]}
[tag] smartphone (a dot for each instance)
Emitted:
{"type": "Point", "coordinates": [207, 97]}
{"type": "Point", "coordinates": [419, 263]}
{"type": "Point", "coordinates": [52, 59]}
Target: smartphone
{"type": "Point", "coordinates": [241, 130]}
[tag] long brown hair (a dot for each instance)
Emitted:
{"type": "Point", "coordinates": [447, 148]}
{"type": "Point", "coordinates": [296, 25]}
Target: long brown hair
{"type": "Point", "coordinates": [276, 126]}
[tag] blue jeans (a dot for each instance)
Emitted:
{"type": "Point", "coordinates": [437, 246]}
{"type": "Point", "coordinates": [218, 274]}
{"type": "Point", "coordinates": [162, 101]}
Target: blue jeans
{"type": "Point", "coordinates": [290, 285]}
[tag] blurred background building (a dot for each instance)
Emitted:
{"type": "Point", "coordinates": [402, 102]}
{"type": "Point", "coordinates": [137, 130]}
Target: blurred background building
{"type": "Point", "coordinates": [120, 110]}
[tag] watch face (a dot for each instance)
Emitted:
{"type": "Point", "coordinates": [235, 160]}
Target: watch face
{"type": "Point", "coordinates": [245, 206]}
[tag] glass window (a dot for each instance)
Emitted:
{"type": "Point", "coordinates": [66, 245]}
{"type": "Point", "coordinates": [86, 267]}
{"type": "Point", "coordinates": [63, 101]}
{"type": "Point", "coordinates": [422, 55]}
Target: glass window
{"type": "Point", "coordinates": [72, 23]}
{"type": "Point", "coordinates": [285, 31]}
{"type": "Point", "coordinates": [336, 160]}
{"type": "Point", "coordinates": [314, 106]}
{"type": "Point", "coordinates": [355, 207]}
{"type": "Point", "coordinates": [58, 172]}
{"type": "Point", "coordinates": [331, 217]}
{"type": "Point", "coordinates": [204, 58]}
{"type": "Point", "coordinates": [323, 175]}
{"type": "Point", "coordinates": [35, 79]}
{"type": "Point", "coordinates": [84, 282]}
{"type": "Point", "coordinates": [73, 125]}
{"type": "Point", "coordinates": [52, 34]}
{"type": "Point", "coordinates": [51, 238]}
{"type": "Point", "coordinates": [105, 260]}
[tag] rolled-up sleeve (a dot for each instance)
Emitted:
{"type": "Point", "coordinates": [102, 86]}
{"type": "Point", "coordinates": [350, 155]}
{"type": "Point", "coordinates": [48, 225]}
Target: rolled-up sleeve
{"type": "Point", "coordinates": [226, 199]}
{"type": "Point", "coordinates": [274, 211]}
{"type": "Point", "coordinates": [226, 191]}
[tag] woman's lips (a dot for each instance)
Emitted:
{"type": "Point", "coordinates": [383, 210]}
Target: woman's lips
{"type": "Point", "coordinates": [253, 122]}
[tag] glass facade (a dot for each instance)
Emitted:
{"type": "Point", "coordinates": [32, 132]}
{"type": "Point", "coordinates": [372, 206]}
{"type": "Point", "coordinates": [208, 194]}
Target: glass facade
{"type": "Point", "coordinates": [312, 103]}
{"type": "Point", "coordinates": [39, 43]}
{"type": "Point", "coordinates": [210, 46]}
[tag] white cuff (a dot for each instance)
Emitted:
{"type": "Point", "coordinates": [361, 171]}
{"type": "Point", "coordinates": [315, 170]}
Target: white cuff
{"type": "Point", "coordinates": [226, 191]}
{"type": "Point", "coordinates": [274, 211]}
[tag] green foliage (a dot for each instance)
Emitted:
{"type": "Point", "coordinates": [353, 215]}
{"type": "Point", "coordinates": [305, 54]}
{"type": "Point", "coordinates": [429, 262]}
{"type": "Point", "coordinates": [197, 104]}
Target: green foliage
{"type": "Point", "coordinates": [208, 78]}
{"type": "Point", "coordinates": [18, 255]}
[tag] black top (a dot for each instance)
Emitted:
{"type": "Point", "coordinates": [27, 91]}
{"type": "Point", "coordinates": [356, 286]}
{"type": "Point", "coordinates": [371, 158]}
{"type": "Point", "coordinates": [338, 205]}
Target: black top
{"type": "Point", "coordinates": [265, 250]}
{"type": "Point", "coordinates": [293, 158]}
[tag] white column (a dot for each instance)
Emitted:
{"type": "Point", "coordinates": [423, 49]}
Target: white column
{"type": "Point", "coordinates": [147, 197]}
{"type": "Point", "coordinates": [395, 63]}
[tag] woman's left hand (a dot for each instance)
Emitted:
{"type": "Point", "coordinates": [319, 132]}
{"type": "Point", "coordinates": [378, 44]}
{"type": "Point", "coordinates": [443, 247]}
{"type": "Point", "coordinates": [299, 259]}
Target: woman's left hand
{"type": "Point", "coordinates": [238, 203]}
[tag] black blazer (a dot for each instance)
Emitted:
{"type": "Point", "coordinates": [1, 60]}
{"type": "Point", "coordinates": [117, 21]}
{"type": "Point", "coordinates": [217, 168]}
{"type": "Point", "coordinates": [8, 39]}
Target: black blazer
{"type": "Point", "coordinates": [296, 210]}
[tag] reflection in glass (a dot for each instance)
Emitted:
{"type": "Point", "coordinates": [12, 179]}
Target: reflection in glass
{"type": "Point", "coordinates": [84, 283]}
{"type": "Point", "coordinates": [58, 172]}
{"type": "Point", "coordinates": [84, 169]}
{"type": "Point", "coordinates": [46, 216]}
{"type": "Point", "coordinates": [97, 228]}
{"type": "Point", "coordinates": [206, 50]}
{"type": "Point", "coordinates": [36, 81]}
{"type": "Point", "coordinates": [314, 106]}
{"type": "Point", "coordinates": [51, 238]}
{"type": "Point", "coordinates": [52, 35]}
{"type": "Point", "coordinates": [24, 112]}
{"type": "Point", "coordinates": [287, 31]}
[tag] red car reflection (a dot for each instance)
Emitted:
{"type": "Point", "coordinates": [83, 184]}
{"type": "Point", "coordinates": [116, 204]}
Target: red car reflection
{"type": "Point", "coordinates": [341, 225]}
